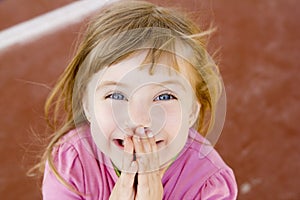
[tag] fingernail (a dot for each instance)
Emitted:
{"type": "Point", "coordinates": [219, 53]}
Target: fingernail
{"type": "Point", "coordinates": [150, 134]}
{"type": "Point", "coordinates": [140, 130]}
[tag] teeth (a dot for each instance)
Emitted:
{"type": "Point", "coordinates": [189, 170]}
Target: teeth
{"type": "Point", "coordinates": [122, 143]}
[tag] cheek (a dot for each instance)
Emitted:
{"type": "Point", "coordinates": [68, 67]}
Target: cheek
{"type": "Point", "coordinates": [105, 118]}
{"type": "Point", "coordinates": [176, 118]}
{"type": "Point", "coordinates": [173, 115]}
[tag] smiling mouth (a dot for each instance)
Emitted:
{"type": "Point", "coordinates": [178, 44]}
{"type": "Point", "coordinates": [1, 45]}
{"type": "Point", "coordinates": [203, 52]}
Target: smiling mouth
{"type": "Point", "coordinates": [120, 143]}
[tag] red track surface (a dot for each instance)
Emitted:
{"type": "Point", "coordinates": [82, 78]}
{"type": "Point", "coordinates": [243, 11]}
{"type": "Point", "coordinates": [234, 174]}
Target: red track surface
{"type": "Point", "coordinates": [259, 43]}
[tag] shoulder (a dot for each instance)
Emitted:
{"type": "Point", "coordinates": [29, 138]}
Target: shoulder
{"type": "Point", "coordinates": [201, 151]}
{"type": "Point", "coordinates": [220, 185]}
{"type": "Point", "coordinates": [79, 163]}
{"type": "Point", "coordinates": [67, 169]}
{"type": "Point", "coordinates": [67, 156]}
{"type": "Point", "coordinates": [78, 142]}
{"type": "Point", "coordinates": [219, 181]}
{"type": "Point", "coordinates": [72, 146]}
{"type": "Point", "coordinates": [202, 170]}
{"type": "Point", "coordinates": [78, 146]}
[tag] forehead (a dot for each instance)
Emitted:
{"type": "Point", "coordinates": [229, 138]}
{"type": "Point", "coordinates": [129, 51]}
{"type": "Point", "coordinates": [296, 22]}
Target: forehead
{"type": "Point", "coordinates": [134, 70]}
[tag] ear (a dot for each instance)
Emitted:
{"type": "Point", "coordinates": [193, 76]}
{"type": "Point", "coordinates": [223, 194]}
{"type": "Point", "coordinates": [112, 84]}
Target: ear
{"type": "Point", "coordinates": [85, 105]}
{"type": "Point", "coordinates": [194, 113]}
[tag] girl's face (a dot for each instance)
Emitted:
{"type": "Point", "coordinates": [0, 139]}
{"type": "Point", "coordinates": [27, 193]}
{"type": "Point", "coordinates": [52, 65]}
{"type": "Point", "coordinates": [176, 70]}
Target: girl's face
{"type": "Point", "coordinates": [125, 96]}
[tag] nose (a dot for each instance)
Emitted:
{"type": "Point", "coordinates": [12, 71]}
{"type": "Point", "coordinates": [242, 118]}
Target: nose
{"type": "Point", "coordinates": [139, 112]}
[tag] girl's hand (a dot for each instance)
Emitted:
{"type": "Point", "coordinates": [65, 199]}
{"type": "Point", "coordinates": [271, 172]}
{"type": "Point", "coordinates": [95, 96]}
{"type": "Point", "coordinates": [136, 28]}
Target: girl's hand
{"type": "Point", "coordinates": [125, 186]}
{"type": "Point", "coordinates": [149, 185]}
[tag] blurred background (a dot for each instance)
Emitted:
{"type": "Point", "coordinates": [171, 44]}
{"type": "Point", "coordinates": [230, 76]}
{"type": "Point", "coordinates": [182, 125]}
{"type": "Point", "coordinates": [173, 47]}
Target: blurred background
{"type": "Point", "coordinates": [257, 45]}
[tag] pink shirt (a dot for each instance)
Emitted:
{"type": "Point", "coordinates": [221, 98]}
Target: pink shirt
{"type": "Point", "coordinates": [197, 173]}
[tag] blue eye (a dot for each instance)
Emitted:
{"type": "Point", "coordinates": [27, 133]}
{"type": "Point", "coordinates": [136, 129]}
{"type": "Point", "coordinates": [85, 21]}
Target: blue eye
{"type": "Point", "coordinates": [165, 97]}
{"type": "Point", "coordinates": [116, 96]}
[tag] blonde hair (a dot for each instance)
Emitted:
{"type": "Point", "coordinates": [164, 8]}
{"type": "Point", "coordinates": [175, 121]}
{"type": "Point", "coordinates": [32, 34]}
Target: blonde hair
{"type": "Point", "coordinates": [63, 108]}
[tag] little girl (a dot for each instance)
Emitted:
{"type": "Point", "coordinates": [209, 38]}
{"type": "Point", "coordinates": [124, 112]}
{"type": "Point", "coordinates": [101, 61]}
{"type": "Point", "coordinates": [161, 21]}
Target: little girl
{"type": "Point", "coordinates": [131, 112]}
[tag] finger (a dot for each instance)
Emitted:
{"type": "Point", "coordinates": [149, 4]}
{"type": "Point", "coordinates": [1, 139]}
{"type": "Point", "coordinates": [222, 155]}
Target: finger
{"type": "Point", "coordinates": [151, 140]}
{"type": "Point", "coordinates": [152, 177]}
{"type": "Point", "coordinates": [143, 180]}
{"type": "Point", "coordinates": [127, 178]}
{"type": "Point", "coordinates": [140, 153]}
{"type": "Point", "coordinates": [154, 158]}
{"type": "Point", "coordinates": [126, 183]}
{"type": "Point", "coordinates": [137, 140]}
{"type": "Point", "coordinates": [128, 174]}
{"type": "Point", "coordinates": [146, 150]}
{"type": "Point", "coordinates": [128, 145]}
{"type": "Point", "coordinates": [146, 146]}
{"type": "Point", "coordinates": [143, 145]}
{"type": "Point", "coordinates": [148, 181]}
{"type": "Point", "coordinates": [127, 165]}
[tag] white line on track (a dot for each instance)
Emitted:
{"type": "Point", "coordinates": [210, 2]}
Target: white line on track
{"type": "Point", "coordinates": [49, 22]}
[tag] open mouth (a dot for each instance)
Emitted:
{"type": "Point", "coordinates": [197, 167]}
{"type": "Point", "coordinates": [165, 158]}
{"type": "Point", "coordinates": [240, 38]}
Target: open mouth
{"type": "Point", "coordinates": [120, 143]}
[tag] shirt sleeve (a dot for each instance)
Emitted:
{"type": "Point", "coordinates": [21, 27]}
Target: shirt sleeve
{"type": "Point", "coordinates": [220, 186]}
{"type": "Point", "coordinates": [69, 166]}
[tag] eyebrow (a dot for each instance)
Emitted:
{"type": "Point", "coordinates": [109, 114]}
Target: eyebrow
{"type": "Point", "coordinates": [110, 83]}
{"type": "Point", "coordinates": [173, 82]}
{"type": "Point", "coordinates": [114, 83]}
